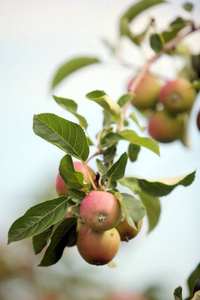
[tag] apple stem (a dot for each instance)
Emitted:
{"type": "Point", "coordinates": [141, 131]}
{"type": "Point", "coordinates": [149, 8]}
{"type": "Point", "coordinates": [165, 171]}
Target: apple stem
{"type": "Point", "coordinates": [88, 173]}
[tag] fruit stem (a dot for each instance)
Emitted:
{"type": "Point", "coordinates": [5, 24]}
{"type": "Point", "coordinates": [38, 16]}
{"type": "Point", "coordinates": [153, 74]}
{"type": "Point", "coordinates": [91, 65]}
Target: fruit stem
{"type": "Point", "coordinates": [88, 173]}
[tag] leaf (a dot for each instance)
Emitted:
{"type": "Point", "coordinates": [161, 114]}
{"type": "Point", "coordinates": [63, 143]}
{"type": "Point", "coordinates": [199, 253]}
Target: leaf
{"type": "Point", "coordinates": [72, 178]}
{"type": "Point", "coordinates": [133, 208]}
{"type": "Point", "coordinates": [196, 84]}
{"type": "Point", "coordinates": [70, 67]}
{"type": "Point", "coordinates": [63, 236]}
{"type": "Point", "coordinates": [153, 208]}
{"type": "Point", "coordinates": [71, 106]}
{"type": "Point", "coordinates": [131, 183]}
{"type": "Point", "coordinates": [162, 187]}
{"type": "Point", "coordinates": [106, 102]}
{"type": "Point", "coordinates": [130, 14]}
{"type": "Point", "coordinates": [117, 170]}
{"type": "Point", "coordinates": [188, 6]}
{"type": "Point", "coordinates": [38, 218]}
{"type": "Point", "coordinates": [109, 154]}
{"type": "Point", "coordinates": [40, 240]}
{"type": "Point", "coordinates": [134, 118]}
{"type": "Point", "coordinates": [125, 99]}
{"type": "Point", "coordinates": [76, 196]}
{"type": "Point", "coordinates": [192, 279]}
{"type": "Point", "coordinates": [64, 134]}
{"type": "Point", "coordinates": [107, 119]}
{"type": "Point", "coordinates": [132, 137]}
{"type": "Point", "coordinates": [101, 167]}
{"type": "Point", "coordinates": [156, 42]}
{"type": "Point", "coordinates": [133, 151]}
{"type": "Point", "coordinates": [178, 293]}
{"type": "Point", "coordinates": [195, 61]}
{"type": "Point", "coordinates": [174, 28]}
{"type": "Point", "coordinates": [110, 140]}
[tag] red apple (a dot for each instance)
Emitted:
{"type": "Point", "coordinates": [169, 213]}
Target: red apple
{"type": "Point", "coordinates": [177, 96]}
{"type": "Point", "coordinates": [146, 93]}
{"type": "Point", "coordinates": [165, 128]}
{"type": "Point", "coordinates": [61, 187]}
{"type": "Point", "coordinates": [126, 231]}
{"type": "Point", "coordinates": [100, 210]}
{"type": "Point", "coordinates": [98, 248]}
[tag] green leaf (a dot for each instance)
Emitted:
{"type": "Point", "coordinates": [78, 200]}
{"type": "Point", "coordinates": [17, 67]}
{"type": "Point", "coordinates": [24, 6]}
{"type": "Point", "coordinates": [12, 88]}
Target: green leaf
{"type": "Point", "coordinates": [64, 134]}
{"type": "Point", "coordinates": [130, 14]}
{"type": "Point", "coordinates": [109, 154]}
{"type": "Point", "coordinates": [132, 137]}
{"type": "Point", "coordinates": [162, 187]}
{"type": "Point", "coordinates": [63, 236]}
{"type": "Point", "coordinates": [153, 208]}
{"type": "Point", "coordinates": [110, 140]}
{"type": "Point", "coordinates": [38, 219]}
{"type": "Point", "coordinates": [70, 67]}
{"type": "Point", "coordinates": [195, 61]}
{"type": "Point", "coordinates": [76, 196]}
{"type": "Point", "coordinates": [188, 6]}
{"type": "Point", "coordinates": [101, 167]}
{"type": "Point", "coordinates": [156, 42]}
{"type": "Point", "coordinates": [196, 84]}
{"type": "Point", "coordinates": [106, 102]}
{"type": "Point", "coordinates": [131, 183]}
{"type": "Point", "coordinates": [133, 209]}
{"type": "Point", "coordinates": [125, 99]}
{"type": "Point", "coordinates": [178, 293]}
{"type": "Point", "coordinates": [192, 279]}
{"type": "Point", "coordinates": [107, 119]}
{"type": "Point", "coordinates": [72, 178]}
{"type": "Point", "coordinates": [135, 119]}
{"type": "Point", "coordinates": [175, 26]}
{"type": "Point", "coordinates": [40, 240]}
{"type": "Point", "coordinates": [117, 170]}
{"type": "Point", "coordinates": [71, 106]}
{"type": "Point", "coordinates": [133, 151]}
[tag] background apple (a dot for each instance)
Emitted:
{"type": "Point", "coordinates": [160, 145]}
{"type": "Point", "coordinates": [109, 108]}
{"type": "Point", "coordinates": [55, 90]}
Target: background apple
{"type": "Point", "coordinates": [164, 127]}
{"type": "Point", "coordinates": [126, 231]}
{"type": "Point", "coordinates": [177, 95]}
{"type": "Point", "coordinates": [146, 93]}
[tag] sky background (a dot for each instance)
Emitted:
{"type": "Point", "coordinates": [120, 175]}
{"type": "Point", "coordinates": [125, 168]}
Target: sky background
{"type": "Point", "coordinates": [36, 37]}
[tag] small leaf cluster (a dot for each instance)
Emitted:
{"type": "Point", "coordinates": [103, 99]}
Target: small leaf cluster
{"type": "Point", "coordinates": [46, 222]}
{"type": "Point", "coordinates": [193, 284]}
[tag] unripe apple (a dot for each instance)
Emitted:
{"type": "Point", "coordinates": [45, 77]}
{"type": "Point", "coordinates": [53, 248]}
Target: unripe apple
{"type": "Point", "coordinates": [100, 210]}
{"type": "Point", "coordinates": [98, 248]}
{"type": "Point", "coordinates": [146, 93]}
{"type": "Point", "coordinates": [198, 120]}
{"type": "Point", "coordinates": [126, 231]}
{"type": "Point", "coordinates": [177, 96]}
{"type": "Point", "coordinates": [61, 187]}
{"type": "Point", "coordinates": [164, 127]}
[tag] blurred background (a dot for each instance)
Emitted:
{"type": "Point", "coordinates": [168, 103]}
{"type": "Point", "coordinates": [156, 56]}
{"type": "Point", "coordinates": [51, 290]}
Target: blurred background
{"type": "Point", "coordinates": [36, 38]}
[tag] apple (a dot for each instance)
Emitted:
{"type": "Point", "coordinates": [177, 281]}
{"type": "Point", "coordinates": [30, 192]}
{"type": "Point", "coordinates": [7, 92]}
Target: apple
{"type": "Point", "coordinates": [61, 187]}
{"type": "Point", "coordinates": [146, 93]}
{"type": "Point", "coordinates": [100, 210]}
{"type": "Point", "coordinates": [164, 127]}
{"type": "Point", "coordinates": [126, 231]}
{"type": "Point", "coordinates": [177, 96]}
{"type": "Point", "coordinates": [98, 248]}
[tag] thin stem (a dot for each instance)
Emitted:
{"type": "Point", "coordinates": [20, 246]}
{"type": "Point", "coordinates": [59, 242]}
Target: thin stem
{"type": "Point", "coordinates": [88, 173]}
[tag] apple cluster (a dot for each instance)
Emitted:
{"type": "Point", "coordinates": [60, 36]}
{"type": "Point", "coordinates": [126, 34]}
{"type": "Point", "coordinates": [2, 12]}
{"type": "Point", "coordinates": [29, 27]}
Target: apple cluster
{"type": "Point", "coordinates": [167, 106]}
{"type": "Point", "coordinates": [100, 224]}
